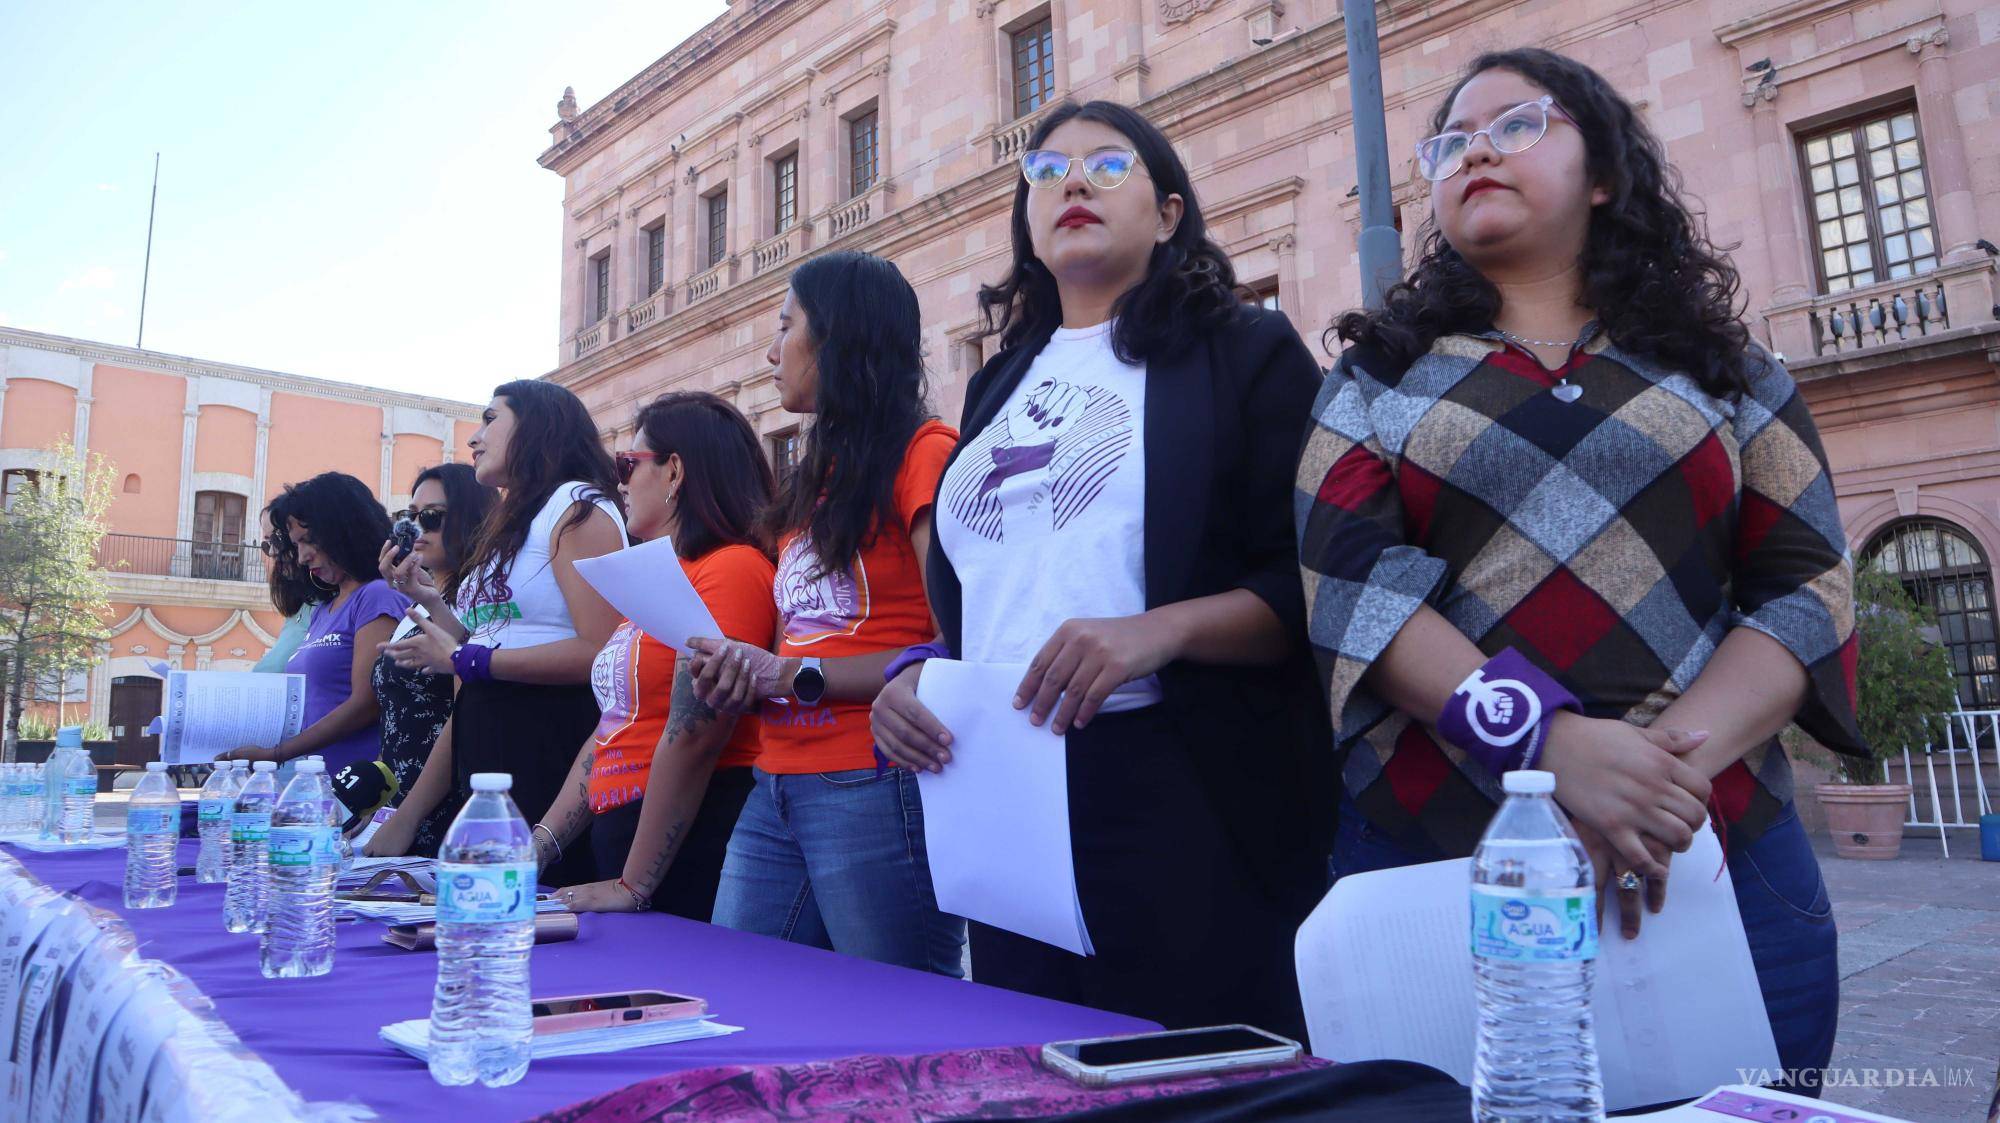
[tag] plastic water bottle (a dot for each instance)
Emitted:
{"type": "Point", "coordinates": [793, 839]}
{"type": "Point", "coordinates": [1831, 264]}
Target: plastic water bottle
{"type": "Point", "coordinates": [217, 802]}
{"type": "Point", "coordinates": [249, 845]}
{"type": "Point", "coordinates": [480, 1019]}
{"type": "Point", "coordinates": [298, 934]}
{"type": "Point", "coordinates": [152, 837]}
{"type": "Point", "coordinates": [1534, 946]}
{"type": "Point", "coordinates": [24, 798]}
{"type": "Point", "coordinates": [79, 794]}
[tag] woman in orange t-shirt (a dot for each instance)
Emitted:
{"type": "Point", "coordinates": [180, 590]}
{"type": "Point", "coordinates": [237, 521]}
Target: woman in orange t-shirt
{"type": "Point", "coordinates": [660, 781]}
{"type": "Point", "coordinates": [829, 849]}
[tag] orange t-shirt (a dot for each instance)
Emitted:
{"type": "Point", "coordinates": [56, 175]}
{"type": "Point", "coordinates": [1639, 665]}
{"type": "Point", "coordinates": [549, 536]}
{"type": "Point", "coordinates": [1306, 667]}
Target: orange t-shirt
{"type": "Point", "coordinates": [878, 604]}
{"type": "Point", "coordinates": [634, 676]}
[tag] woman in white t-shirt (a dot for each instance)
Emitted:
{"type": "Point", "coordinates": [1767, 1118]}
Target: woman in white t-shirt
{"type": "Point", "coordinates": [524, 627]}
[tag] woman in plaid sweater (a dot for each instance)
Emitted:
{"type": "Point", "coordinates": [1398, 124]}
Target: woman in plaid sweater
{"type": "Point", "coordinates": [1555, 457]}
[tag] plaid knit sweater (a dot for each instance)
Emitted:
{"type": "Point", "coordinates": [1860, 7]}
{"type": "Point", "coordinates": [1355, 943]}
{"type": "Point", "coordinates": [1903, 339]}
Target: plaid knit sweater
{"type": "Point", "coordinates": [1614, 540]}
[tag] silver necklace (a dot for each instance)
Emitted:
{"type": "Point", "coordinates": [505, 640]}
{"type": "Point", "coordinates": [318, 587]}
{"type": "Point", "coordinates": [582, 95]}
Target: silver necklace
{"type": "Point", "coordinates": [1564, 390]}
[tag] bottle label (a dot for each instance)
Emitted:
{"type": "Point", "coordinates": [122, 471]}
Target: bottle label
{"type": "Point", "coordinates": [214, 810]}
{"type": "Point", "coordinates": [152, 820]}
{"type": "Point", "coordinates": [1533, 928]}
{"type": "Point", "coordinates": [250, 826]}
{"type": "Point", "coordinates": [302, 846]}
{"type": "Point", "coordinates": [501, 893]}
{"type": "Point", "coordinates": [85, 786]}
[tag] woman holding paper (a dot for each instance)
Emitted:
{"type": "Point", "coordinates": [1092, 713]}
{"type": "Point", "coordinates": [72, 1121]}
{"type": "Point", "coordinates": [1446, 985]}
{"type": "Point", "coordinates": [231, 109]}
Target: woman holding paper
{"type": "Point", "coordinates": [830, 849]}
{"type": "Point", "coordinates": [1118, 519]}
{"type": "Point", "coordinates": [1555, 464]}
{"type": "Point", "coordinates": [329, 527]}
{"type": "Point", "coordinates": [523, 628]}
{"type": "Point", "coordinates": [660, 783]}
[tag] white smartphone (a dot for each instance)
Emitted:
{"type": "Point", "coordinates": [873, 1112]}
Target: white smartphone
{"type": "Point", "coordinates": [1176, 1052]}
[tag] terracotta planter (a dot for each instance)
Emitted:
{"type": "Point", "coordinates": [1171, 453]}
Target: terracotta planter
{"type": "Point", "coordinates": [1865, 820]}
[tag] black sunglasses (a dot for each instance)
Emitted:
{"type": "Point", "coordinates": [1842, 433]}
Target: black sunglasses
{"type": "Point", "coordinates": [430, 518]}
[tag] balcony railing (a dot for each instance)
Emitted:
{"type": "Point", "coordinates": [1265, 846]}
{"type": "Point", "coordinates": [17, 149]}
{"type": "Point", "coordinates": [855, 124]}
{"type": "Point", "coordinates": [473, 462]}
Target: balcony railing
{"type": "Point", "coordinates": [780, 247]}
{"type": "Point", "coordinates": [589, 339]}
{"type": "Point", "coordinates": [180, 557]}
{"type": "Point", "coordinates": [845, 218]}
{"type": "Point", "coordinates": [1881, 315]}
{"type": "Point", "coordinates": [654, 308]}
{"type": "Point", "coordinates": [706, 284]}
{"type": "Point", "coordinates": [1010, 140]}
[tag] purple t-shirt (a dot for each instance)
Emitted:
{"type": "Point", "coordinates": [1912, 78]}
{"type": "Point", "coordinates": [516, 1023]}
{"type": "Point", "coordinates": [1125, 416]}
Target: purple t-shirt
{"type": "Point", "coordinates": [326, 658]}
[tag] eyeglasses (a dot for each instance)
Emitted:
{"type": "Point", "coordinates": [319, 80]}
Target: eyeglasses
{"type": "Point", "coordinates": [1512, 133]}
{"type": "Point", "coordinates": [430, 518]}
{"type": "Point", "coordinates": [1105, 168]}
{"type": "Point", "coordinates": [271, 547]}
{"type": "Point", "coordinates": [628, 462]}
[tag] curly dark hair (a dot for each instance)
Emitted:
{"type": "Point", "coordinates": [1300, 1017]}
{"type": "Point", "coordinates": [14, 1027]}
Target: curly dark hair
{"type": "Point", "coordinates": [347, 526]}
{"type": "Point", "coordinates": [1651, 276]}
{"type": "Point", "coordinates": [867, 338]}
{"type": "Point", "coordinates": [1189, 289]}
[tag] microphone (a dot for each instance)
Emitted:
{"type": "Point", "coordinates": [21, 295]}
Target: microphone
{"type": "Point", "coordinates": [364, 788]}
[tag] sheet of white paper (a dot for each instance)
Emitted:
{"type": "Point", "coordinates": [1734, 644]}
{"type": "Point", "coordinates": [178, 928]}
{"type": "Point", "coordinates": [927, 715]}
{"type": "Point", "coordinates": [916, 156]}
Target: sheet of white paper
{"type": "Point", "coordinates": [414, 1037]}
{"type": "Point", "coordinates": [1743, 1101]}
{"type": "Point", "coordinates": [100, 982]}
{"type": "Point", "coordinates": [148, 1019]}
{"type": "Point", "coordinates": [209, 712]}
{"type": "Point", "coordinates": [647, 584]}
{"type": "Point", "coordinates": [21, 928]}
{"type": "Point", "coordinates": [1385, 969]}
{"type": "Point", "coordinates": [996, 820]}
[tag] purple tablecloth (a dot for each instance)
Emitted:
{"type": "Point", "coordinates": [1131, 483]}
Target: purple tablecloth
{"type": "Point", "coordinates": [796, 1003]}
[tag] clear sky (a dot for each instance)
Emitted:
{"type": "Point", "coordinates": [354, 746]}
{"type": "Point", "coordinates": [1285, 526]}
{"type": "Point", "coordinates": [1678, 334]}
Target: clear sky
{"type": "Point", "coordinates": [347, 191]}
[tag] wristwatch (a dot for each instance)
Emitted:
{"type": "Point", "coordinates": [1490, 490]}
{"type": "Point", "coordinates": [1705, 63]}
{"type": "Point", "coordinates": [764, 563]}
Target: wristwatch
{"type": "Point", "coordinates": [809, 682]}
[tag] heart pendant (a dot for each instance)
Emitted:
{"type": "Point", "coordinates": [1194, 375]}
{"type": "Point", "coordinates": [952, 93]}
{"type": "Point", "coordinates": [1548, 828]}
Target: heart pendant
{"type": "Point", "coordinates": [1566, 391]}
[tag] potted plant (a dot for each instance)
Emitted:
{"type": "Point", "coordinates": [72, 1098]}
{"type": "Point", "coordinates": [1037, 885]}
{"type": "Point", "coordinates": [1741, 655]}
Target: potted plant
{"type": "Point", "coordinates": [1903, 689]}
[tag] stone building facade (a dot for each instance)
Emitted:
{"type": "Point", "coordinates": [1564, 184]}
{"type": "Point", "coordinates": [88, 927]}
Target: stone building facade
{"type": "Point", "coordinates": [1848, 149]}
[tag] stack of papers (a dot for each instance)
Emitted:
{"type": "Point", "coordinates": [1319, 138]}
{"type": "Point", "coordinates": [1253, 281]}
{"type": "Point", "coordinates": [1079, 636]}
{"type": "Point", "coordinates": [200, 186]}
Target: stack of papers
{"type": "Point", "coordinates": [32, 840]}
{"type": "Point", "coordinates": [413, 1037]}
{"type": "Point", "coordinates": [396, 912]}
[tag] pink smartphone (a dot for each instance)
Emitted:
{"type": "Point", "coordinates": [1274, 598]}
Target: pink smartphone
{"type": "Point", "coordinates": [599, 1011]}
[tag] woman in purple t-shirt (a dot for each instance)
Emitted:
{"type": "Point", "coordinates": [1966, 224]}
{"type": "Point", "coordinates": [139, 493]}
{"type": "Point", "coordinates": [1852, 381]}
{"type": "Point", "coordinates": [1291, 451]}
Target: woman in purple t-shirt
{"type": "Point", "coordinates": [332, 527]}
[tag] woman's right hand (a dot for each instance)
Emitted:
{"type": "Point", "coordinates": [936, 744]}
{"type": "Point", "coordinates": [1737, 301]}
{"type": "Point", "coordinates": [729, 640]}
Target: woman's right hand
{"type": "Point", "coordinates": [1630, 785]}
{"type": "Point", "coordinates": [393, 838]}
{"type": "Point", "coordinates": [905, 729]}
{"type": "Point", "coordinates": [406, 576]}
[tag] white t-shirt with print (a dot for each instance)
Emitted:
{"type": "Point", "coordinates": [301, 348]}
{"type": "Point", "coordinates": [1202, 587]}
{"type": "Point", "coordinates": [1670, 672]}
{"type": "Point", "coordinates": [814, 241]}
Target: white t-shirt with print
{"type": "Point", "coordinates": [1043, 514]}
{"type": "Point", "coordinates": [531, 610]}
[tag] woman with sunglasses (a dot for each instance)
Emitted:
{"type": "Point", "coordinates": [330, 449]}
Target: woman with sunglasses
{"type": "Point", "coordinates": [523, 626]}
{"type": "Point", "coordinates": [830, 850]}
{"type": "Point", "coordinates": [660, 783]}
{"type": "Point", "coordinates": [291, 595]}
{"type": "Point", "coordinates": [447, 503]}
{"type": "Point", "coordinates": [1118, 518]}
{"type": "Point", "coordinates": [328, 528]}
{"type": "Point", "coordinates": [1554, 466]}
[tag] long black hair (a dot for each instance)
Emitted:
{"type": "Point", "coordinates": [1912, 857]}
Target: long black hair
{"type": "Point", "coordinates": [1655, 282]}
{"type": "Point", "coordinates": [347, 524]}
{"type": "Point", "coordinates": [728, 482]}
{"type": "Point", "coordinates": [466, 503]}
{"type": "Point", "coordinates": [1189, 287]}
{"type": "Point", "coordinates": [554, 442]}
{"type": "Point", "coordinates": [868, 346]}
{"type": "Point", "coordinates": [290, 588]}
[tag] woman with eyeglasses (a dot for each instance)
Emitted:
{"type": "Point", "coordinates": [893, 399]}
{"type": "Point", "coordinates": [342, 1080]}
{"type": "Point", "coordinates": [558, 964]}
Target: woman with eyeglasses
{"type": "Point", "coordinates": [659, 784]}
{"type": "Point", "coordinates": [1555, 469]}
{"type": "Point", "coordinates": [291, 595]}
{"type": "Point", "coordinates": [448, 504]}
{"type": "Point", "coordinates": [830, 850]}
{"type": "Point", "coordinates": [1118, 518]}
{"type": "Point", "coordinates": [328, 528]}
{"type": "Point", "coordinates": [523, 627]}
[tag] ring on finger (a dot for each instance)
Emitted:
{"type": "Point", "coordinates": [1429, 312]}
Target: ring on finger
{"type": "Point", "coordinates": [1629, 881]}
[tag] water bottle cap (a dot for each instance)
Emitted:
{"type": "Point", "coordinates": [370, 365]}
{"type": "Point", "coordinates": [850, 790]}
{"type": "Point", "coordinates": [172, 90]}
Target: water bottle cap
{"type": "Point", "coordinates": [492, 781]}
{"type": "Point", "coordinates": [312, 764]}
{"type": "Point", "coordinates": [265, 766]}
{"type": "Point", "coordinates": [1527, 781]}
{"type": "Point", "coordinates": [69, 737]}
{"type": "Point", "coordinates": [156, 766]}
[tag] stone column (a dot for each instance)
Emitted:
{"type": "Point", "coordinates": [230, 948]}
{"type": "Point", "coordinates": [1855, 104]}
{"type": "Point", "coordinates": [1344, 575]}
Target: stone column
{"type": "Point", "coordinates": [388, 457]}
{"type": "Point", "coordinates": [994, 109]}
{"type": "Point", "coordinates": [203, 656]}
{"type": "Point", "coordinates": [190, 421]}
{"type": "Point", "coordinates": [80, 431]}
{"type": "Point", "coordinates": [1286, 246]}
{"type": "Point", "coordinates": [260, 480]}
{"type": "Point", "coordinates": [1780, 200]}
{"type": "Point", "coordinates": [1944, 149]}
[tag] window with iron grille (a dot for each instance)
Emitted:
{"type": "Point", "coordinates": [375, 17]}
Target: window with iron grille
{"type": "Point", "coordinates": [1946, 572]}
{"type": "Point", "coordinates": [656, 258]}
{"type": "Point", "coordinates": [862, 153]}
{"type": "Point", "coordinates": [785, 449]}
{"type": "Point", "coordinates": [784, 192]}
{"type": "Point", "coordinates": [1869, 201]}
{"type": "Point", "coordinates": [718, 228]}
{"type": "Point", "coordinates": [15, 483]}
{"type": "Point", "coordinates": [600, 285]}
{"type": "Point", "coordinates": [1034, 67]}
{"type": "Point", "coordinates": [217, 550]}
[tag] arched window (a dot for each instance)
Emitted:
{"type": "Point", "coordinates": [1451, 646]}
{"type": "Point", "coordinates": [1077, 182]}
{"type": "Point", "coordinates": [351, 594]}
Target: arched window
{"type": "Point", "coordinates": [132, 484]}
{"type": "Point", "coordinates": [1945, 571]}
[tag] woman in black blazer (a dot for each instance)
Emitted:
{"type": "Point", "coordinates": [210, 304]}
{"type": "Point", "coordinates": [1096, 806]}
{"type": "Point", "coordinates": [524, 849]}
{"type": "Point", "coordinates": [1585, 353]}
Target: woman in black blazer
{"type": "Point", "coordinates": [1118, 516]}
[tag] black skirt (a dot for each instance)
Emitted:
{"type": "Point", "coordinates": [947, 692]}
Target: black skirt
{"type": "Point", "coordinates": [533, 733]}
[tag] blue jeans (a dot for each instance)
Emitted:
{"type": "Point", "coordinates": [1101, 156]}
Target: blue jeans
{"type": "Point", "coordinates": [1787, 918]}
{"type": "Point", "coordinates": [836, 860]}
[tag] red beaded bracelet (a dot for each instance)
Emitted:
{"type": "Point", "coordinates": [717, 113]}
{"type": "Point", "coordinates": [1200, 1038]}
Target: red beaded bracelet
{"type": "Point", "coordinates": [643, 903]}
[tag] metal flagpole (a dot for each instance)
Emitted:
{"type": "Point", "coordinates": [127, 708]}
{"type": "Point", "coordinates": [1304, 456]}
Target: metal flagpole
{"type": "Point", "coordinates": [1381, 246]}
{"type": "Point", "coordinates": [146, 278]}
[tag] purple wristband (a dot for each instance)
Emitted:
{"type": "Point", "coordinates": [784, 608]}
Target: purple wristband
{"type": "Point", "coordinates": [473, 662]}
{"type": "Point", "coordinates": [911, 656]}
{"type": "Point", "coordinates": [1498, 715]}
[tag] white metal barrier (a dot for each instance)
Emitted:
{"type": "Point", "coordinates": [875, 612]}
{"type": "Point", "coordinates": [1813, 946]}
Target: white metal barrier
{"type": "Point", "coordinates": [1967, 734]}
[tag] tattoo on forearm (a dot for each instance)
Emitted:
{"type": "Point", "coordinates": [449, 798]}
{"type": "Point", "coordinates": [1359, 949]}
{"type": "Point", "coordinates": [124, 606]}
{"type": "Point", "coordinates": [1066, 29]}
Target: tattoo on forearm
{"type": "Point", "coordinates": [687, 713]}
{"type": "Point", "coordinates": [669, 846]}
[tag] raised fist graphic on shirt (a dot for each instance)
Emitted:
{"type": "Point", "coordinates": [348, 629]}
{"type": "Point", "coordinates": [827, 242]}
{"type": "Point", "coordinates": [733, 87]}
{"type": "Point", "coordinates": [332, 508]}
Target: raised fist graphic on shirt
{"type": "Point", "coordinates": [1070, 437]}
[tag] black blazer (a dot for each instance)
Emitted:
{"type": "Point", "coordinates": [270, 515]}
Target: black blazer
{"type": "Point", "coordinates": [1224, 421]}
